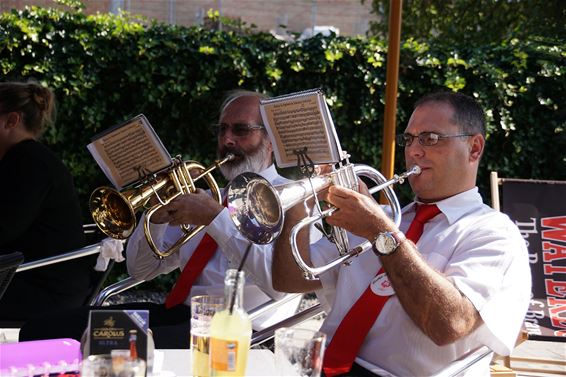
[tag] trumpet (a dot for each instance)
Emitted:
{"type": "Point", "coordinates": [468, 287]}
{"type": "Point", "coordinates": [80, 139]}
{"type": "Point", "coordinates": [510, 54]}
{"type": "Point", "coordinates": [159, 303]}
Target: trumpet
{"type": "Point", "coordinates": [258, 208]}
{"type": "Point", "coordinates": [114, 211]}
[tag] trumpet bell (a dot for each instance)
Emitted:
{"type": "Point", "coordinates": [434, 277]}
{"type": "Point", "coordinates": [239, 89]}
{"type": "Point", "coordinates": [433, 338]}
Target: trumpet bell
{"type": "Point", "coordinates": [258, 208]}
{"type": "Point", "coordinates": [112, 212]}
{"type": "Point", "coordinates": [255, 208]}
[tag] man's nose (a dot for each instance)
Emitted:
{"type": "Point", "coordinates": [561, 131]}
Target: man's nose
{"type": "Point", "coordinates": [415, 149]}
{"type": "Point", "coordinates": [227, 138]}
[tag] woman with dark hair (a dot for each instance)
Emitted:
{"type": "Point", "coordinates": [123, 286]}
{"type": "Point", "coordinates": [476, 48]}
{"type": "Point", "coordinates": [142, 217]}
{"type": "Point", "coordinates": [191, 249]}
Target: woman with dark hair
{"type": "Point", "coordinates": [39, 209]}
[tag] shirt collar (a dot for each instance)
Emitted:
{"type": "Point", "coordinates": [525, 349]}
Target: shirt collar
{"type": "Point", "coordinates": [455, 206]}
{"type": "Point", "coordinates": [270, 173]}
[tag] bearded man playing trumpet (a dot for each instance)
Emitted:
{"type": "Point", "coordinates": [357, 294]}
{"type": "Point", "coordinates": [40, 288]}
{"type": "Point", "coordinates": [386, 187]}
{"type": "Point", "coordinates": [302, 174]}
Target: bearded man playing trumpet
{"type": "Point", "coordinates": [452, 277]}
{"type": "Point", "coordinates": [240, 132]}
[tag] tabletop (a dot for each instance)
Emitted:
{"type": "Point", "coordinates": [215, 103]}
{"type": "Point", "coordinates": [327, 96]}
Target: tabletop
{"type": "Point", "coordinates": [177, 362]}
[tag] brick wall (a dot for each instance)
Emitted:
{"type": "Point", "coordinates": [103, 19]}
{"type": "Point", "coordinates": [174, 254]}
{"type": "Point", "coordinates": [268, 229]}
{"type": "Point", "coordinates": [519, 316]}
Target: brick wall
{"type": "Point", "coordinates": [350, 16]}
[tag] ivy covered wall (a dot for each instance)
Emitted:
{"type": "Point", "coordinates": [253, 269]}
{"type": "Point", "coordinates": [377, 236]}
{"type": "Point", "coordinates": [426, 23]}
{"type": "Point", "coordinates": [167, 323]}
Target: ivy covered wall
{"type": "Point", "coordinates": [105, 69]}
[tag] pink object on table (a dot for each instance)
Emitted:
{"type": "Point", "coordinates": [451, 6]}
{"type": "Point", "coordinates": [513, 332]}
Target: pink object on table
{"type": "Point", "coordinates": [39, 356]}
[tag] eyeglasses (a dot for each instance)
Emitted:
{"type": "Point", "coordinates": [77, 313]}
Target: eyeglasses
{"type": "Point", "coordinates": [237, 129]}
{"type": "Point", "coordinates": [425, 138]}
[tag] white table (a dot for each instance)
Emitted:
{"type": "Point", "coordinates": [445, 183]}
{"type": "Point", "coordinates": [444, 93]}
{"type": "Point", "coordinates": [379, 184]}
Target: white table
{"type": "Point", "coordinates": [177, 362]}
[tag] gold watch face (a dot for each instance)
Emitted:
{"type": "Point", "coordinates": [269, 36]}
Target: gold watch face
{"type": "Point", "coordinates": [385, 243]}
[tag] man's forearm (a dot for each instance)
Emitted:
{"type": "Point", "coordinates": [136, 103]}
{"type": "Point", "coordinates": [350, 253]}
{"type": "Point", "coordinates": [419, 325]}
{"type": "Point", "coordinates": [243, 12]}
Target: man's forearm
{"type": "Point", "coordinates": [434, 304]}
{"type": "Point", "coordinates": [287, 276]}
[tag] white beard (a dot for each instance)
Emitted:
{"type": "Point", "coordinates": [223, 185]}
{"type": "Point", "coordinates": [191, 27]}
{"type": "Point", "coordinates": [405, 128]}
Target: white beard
{"type": "Point", "coordinates": [254, 162]}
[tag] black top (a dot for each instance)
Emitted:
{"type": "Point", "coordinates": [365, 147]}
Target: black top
{"type": "Point", "coordinates": [40, 216]}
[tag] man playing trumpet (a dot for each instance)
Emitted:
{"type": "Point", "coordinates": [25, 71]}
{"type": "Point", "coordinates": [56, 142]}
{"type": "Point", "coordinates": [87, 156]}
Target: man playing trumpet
{"type": "Point", "coordinates": [453, 277]}
{"type": "Point", "coordinates": [240, 132]}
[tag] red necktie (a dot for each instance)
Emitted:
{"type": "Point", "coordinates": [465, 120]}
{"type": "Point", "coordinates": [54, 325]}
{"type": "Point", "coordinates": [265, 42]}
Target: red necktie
{"type": "Point", "coordinates": [355, 325]}
{"type": "Point", "coordinates": [202, 254]}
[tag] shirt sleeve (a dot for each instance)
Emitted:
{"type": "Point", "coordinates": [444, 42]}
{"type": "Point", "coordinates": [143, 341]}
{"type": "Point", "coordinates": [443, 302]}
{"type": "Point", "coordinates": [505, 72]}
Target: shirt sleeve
{"type": "Point", "coordinates": [141, 262]}
{"type": "Point", "coordinates": [233, 245]}
{"type": "Point", "coordinates": [491, 268]}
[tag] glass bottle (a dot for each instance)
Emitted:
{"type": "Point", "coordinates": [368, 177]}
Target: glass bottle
{"type": "Point", "coordinates": [230, 330]}
{"type": "Point", "coordinates": [133, 344]}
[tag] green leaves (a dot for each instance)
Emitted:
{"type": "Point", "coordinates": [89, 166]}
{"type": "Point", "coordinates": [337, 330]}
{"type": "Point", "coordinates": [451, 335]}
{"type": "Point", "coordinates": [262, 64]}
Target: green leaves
{"type": "Point", "coordinates": [107, 68]}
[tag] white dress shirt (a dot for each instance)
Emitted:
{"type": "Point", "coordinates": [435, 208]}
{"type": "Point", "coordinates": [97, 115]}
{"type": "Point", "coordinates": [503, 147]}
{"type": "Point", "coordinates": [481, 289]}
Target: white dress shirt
{"type": "Point", "coordinates": [143, 264]}
{"type": "Point", "coordinates": [478, 249]}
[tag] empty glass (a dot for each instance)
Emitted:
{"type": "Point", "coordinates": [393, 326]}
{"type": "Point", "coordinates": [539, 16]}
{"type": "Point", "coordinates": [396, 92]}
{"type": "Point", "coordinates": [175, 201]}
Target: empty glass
{"type": "Point", "coordinates": [299, 352]}
{"type": "Point", "coordinates": [109, 366]}
{"type": "Point", "coordinates": [202, 311]}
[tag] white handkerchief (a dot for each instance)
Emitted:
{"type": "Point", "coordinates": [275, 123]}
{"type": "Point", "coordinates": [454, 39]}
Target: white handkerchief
{"type": "Point", "coordinates": [110, 249]}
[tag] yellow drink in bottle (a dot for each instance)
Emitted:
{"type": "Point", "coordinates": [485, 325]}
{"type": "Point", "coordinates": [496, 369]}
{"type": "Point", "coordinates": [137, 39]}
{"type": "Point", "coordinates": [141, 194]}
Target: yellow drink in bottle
{"type": "Point", "coordinates": [230, 331]}
{"type": "Point", "coordinates": [230, 341]}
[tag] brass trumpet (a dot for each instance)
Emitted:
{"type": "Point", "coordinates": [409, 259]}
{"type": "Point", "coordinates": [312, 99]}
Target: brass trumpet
{"type": "Point", "coordinates": [257, 208]}
{"type": "Point", "coordinates": [114, 211]}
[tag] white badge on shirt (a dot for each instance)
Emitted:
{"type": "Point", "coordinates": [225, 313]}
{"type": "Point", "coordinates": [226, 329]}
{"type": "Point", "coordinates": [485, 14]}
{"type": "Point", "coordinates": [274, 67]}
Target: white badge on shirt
{"type": "Point", "coordinates": [381, 286]}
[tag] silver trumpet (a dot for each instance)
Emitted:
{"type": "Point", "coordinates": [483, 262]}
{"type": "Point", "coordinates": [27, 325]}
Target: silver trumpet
{"type": "Point", "coordinates": [258, 208]}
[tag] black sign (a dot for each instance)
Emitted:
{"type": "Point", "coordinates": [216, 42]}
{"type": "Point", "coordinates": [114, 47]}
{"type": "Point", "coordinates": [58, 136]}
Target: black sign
{"type": "Point", "coordinates": [111, 330]}
{"type": "Point", "coordinates": [538, 208]}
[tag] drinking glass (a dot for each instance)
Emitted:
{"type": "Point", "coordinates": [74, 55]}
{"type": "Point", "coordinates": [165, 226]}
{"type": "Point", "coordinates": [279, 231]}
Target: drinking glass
{"type": "Point", "coordinates": [97, 366]}
{"type": "Point", "coordinates": [202, 311]}
{"type": "Point", "coordinates": [112, 366]}
{"type": "Point", "coordinates": [299, 352]}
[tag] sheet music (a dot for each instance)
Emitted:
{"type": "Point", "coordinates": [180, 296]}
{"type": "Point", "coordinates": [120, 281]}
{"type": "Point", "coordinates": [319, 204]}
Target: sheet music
{"type": "Point", "coordinates": [301, 120]}
{"type": "Point", "coordinates": [129, 152]}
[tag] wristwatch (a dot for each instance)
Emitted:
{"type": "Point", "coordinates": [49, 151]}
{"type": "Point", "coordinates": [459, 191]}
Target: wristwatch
{"type": "Point", "coordinates": [387, 242]}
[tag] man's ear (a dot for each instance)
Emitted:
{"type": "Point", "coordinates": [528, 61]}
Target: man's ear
{"type": "Point", "coordinates": [477, 143]}
{"type": "Point", "coordinates": [12, 120]}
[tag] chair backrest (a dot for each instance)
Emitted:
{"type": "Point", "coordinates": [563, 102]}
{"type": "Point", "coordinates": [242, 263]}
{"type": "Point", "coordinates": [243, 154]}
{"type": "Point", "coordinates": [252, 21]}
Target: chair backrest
{"type": "Point", "coordinates": [97, 277]}
{"type": "Point", "coordinates": [258, 338]}
{"type": "Point", "coordinates": [8, 265]}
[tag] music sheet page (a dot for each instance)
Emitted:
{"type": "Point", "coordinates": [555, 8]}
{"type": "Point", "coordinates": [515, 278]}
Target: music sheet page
{"type": "Point", "coordinates": [129, 152]}
{"type": "Point", "coordinates": [301, 122]}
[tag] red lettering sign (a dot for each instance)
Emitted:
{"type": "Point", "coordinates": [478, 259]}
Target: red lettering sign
{"type": "Point", "coordinates": [550, 269]}
{"type": "Point", "coordinates": [555, 288]}
{"type": "Point", "coordinates": [557, 307]}
{"type": "Point", "coordinates": [552, 251]}
{"type": "Point", "coordinates": [559, 231]}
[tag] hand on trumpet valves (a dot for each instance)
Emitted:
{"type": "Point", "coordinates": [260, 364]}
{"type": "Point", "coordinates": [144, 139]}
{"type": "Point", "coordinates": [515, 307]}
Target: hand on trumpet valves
{"type": "Point", "coordinates": [323, 169]}
{"type": "Point", "coordinates": [197, 208]}
{"type": "Point", "coordinates": [357, 212]}
{"type": "Point", "coordinates": [363, 188]}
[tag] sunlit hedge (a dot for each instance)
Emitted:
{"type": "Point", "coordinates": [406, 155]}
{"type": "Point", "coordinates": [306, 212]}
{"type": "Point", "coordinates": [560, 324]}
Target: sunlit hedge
{"type": "Point", "coordinates": [106, 68]}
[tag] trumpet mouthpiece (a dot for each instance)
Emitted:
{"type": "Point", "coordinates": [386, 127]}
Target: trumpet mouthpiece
{"type": "Point", "coordinates": [416, 170]}
{"type": "Point", "coordinates": [229, 157]}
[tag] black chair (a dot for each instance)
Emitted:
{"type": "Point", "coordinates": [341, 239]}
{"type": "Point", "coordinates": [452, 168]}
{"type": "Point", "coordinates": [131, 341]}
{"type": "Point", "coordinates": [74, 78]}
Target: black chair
{"type": "Point", "coordinates": [98, 278]}
{"type": "Point", "coordinates": [8, 265]}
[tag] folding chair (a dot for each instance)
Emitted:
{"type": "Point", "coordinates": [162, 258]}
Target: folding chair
{"type": "Point", "coordinates": [268, 333]}
{"type": "Point", "coordinates": [258, 337]}
{"type": "Point", "coordinates": [8, 265]}
{"type": "Point", "coordinates": [97, 277]}
{"type": "Point", "coordinates": [538, 208]}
